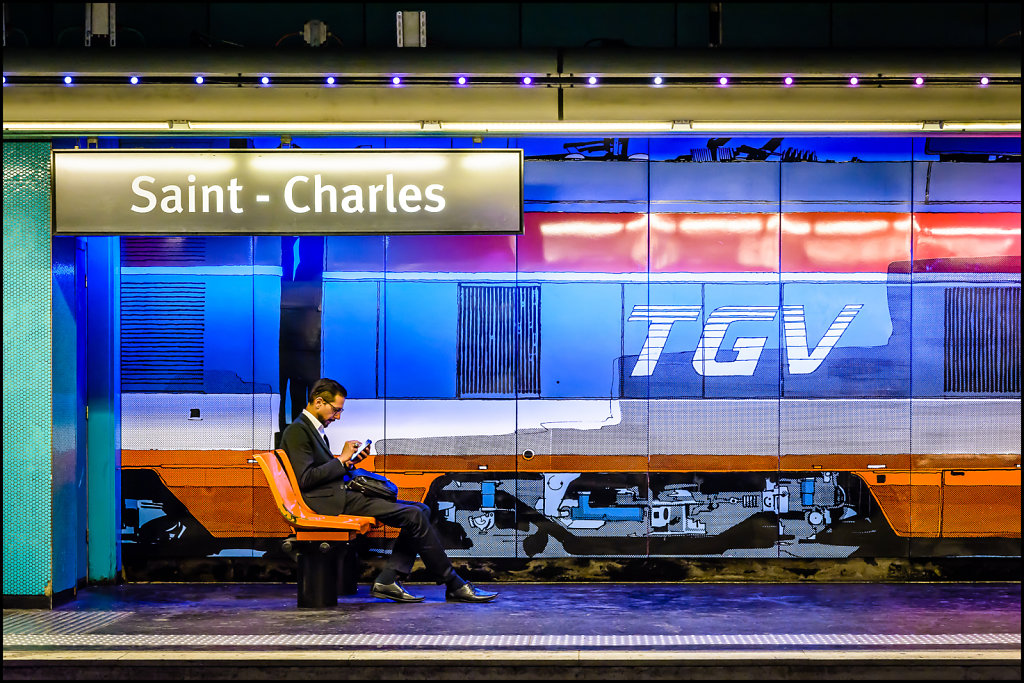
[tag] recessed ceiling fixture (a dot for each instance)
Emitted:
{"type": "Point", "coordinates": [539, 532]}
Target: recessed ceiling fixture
{"type": "Point", "coordinates": [559, 80]}
{"type": "Point", "coordinates": [478, 127]}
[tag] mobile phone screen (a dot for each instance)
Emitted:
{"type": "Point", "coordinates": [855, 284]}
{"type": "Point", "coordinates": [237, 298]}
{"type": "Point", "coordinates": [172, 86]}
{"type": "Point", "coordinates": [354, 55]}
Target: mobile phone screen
{"type": "Point", "coordinates": [362, 452]}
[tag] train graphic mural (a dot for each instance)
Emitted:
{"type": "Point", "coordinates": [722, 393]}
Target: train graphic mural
{"type": "Point", "coordinates": [675, 359]}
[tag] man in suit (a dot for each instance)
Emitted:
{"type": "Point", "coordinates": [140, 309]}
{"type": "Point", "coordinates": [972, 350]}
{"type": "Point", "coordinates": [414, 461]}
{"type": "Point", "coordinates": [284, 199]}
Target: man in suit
{"type": "Point", "coordinates": [322, 476]}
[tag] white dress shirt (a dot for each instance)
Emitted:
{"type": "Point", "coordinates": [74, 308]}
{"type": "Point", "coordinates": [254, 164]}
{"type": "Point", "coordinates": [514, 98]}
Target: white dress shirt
{"type": "Point", "coordinates": [317, 425]}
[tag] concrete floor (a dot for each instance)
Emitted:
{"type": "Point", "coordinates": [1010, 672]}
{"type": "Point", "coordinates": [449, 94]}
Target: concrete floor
{"type": "Point", "coordinates": [779, 631]}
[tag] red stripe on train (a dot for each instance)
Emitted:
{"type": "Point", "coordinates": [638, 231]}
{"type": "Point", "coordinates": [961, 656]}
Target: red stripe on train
{"type": "Point", "coordinates": [822, 242]}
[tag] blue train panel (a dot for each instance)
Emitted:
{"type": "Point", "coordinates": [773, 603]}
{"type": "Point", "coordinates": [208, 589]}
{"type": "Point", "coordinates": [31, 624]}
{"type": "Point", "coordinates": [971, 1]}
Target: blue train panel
{"type": "Point", "coordinates": [580, 338]}
{"type": "Point", "coordinates": [420, 326]}
{"type": "Point", "coordinates": [715, 188]}
{"type": "Point", "coordinates": [878, 186]}
{"type": "Point", "coordinates": [352, 335]}
{"type": "Point", "coordinates": [584, 186]}
{"type": "Point", "coordinates": [965, 186]}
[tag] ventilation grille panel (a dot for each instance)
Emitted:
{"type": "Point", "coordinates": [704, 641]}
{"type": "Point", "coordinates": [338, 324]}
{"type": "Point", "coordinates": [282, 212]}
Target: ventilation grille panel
{"type": "Point", "coordinates": [162, 326]}
{"type": "Point", "coordinates": [163, 251]}
{"type": "Point", "coordinates": [982, 340]}
{"type": "Point", "coordinates": [499, 340]}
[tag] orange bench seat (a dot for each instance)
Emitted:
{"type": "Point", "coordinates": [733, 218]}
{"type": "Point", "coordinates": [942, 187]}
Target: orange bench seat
{"type": "Point", "coordinates": [307, 525]}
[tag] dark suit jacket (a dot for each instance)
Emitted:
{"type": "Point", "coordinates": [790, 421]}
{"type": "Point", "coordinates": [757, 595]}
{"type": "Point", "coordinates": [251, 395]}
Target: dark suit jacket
{"type": "Point", "coordinates": [321, 476]}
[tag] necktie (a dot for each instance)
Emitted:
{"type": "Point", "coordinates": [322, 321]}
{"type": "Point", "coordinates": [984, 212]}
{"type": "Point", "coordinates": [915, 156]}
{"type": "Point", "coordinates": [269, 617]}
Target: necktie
{"type": "Point", "coordinates": [327, 443]}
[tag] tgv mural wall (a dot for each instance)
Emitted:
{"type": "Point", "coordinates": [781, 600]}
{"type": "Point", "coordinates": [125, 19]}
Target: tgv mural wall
{"type": "Point", "coordinates": [746, 348]}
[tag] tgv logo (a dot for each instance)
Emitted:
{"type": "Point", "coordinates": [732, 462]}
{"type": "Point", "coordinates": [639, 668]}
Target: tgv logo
{"type": "Point", "coordinates": [802, 360]}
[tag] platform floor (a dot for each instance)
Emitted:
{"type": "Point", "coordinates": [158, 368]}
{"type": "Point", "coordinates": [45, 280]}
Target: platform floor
{"type": "Point", "coordinates": [657, 631]}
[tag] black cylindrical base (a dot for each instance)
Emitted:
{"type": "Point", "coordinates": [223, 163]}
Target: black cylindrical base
{"type": "Point", "coordinates": [318, 577]}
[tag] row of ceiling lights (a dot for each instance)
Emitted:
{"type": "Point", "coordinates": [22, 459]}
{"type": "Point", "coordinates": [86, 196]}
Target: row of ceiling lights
{"type": "Point", "coordinates": [398, 81]}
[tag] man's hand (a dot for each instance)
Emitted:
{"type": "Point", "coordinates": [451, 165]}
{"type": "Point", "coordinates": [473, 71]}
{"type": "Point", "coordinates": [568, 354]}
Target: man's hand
{"type": "Point", "coordinates": [364, 450]}
{"type": "Point", "coordinates": [348, 450]}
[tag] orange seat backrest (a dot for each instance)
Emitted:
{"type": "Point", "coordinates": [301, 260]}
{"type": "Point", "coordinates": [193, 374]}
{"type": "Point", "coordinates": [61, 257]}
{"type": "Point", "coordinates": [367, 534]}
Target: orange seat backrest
{"type": "Point", "coordinates": [300, 505]}
{"type": "Point", "coordinates": [273, 464]}
{"type": "Point", "coordinates": [285, 488]}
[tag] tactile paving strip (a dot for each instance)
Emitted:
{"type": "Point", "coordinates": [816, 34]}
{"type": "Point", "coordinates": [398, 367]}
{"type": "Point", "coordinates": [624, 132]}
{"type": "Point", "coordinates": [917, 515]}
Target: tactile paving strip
{"type": "Point", "coordinates": [49, 624]}
{"type": "Point", "coordinates": [504, 641]}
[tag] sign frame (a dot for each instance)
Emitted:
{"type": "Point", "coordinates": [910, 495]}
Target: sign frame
{"type": "Point", "coordinates": [288, 230]}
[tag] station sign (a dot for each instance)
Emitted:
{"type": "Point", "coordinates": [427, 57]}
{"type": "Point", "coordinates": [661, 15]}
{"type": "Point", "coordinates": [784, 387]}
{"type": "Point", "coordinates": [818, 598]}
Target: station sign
{"type": "Point", "coordinates": [287, 192]}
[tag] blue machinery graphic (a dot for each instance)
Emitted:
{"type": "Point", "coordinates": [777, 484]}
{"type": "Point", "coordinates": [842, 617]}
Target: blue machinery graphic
{"type": "Point", "coordinates": [608, 514]}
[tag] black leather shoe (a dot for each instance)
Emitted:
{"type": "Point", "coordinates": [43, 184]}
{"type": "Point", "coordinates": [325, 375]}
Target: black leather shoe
{"type": "Point", "coordinates": [394, 591]}
{"type": "Point", "coordinates": [468, 593]}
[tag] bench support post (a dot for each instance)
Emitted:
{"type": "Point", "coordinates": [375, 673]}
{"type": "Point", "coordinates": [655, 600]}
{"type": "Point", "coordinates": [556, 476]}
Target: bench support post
{"type": "Point", "coordinates": [318, 574]}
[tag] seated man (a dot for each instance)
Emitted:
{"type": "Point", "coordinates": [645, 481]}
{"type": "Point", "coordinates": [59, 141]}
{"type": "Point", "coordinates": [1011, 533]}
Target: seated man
{"type": "Point", "coordinates": [321, 477]}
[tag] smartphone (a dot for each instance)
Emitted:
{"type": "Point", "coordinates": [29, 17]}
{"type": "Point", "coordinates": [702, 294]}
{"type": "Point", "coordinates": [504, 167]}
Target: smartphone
{"type": "Point", "coordinates": [361, 452]}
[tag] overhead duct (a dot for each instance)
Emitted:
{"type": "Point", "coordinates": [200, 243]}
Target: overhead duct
{"type": "Point", "coordinates": [360, 97]}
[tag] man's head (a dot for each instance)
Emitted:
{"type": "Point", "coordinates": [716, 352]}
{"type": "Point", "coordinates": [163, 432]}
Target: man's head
{"type": "Point", "coordinates": [327, 400]}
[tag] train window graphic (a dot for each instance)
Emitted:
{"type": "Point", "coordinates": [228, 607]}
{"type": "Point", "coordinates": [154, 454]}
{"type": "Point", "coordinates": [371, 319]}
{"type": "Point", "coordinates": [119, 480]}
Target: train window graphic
{"type": "Point", "coordinates": [676, 359]}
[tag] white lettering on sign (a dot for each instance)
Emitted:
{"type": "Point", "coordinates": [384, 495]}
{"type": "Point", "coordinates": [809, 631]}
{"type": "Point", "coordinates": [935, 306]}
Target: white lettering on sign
{"type": "Point", "coordinates": [319, 191]}
{"type": "Point", "coordinates": [748, 350]}
{"type": "Point", "coordinates": [171, 203]}
{"type": "Point", "coordinates": [353, 201]}
{"type": "Point", "coordinates": [144, 193]}
{"type": "Point", "coordinates": [233, 189]}
{"type": "Point", "coordinates": [386, 196]}
{"type": "Point", "coordinates": [288, 201]}
{"type": "Point", "coordinates": [299, 197]}
{"type": "Point", "coordinates": [176, 201]}
{"type": "Point", "coordinates": [433, 194]}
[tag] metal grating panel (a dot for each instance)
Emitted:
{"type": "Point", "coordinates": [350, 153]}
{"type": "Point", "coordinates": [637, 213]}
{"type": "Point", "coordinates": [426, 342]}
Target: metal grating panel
{"type": "Point", "coordinates": [752, 427]}
{"type": "Point", "coordinates": [35, 622]}
{"type": "Point", "coordinates": [27, 440]}
{"type": "Point", "coordinates": [982, 340]}
{"type": "Point", "coordinates": [812, 426]}
{"type": "Point", "coordinates": [499, 340]}
{"type": "Point", "coordinates": [197, 421]}
{"type": "Point", "coordinates": [378, 640]}
{"type": "Point", "coordinates": [162, 327]}
{"type": "Point", "coordinates": [966, 425]}
{"type": "Point", "coordinates": [163, 251]}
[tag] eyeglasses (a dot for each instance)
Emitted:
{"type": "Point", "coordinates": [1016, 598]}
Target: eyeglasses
{"type": "Point", "coordinates": [337, 410]}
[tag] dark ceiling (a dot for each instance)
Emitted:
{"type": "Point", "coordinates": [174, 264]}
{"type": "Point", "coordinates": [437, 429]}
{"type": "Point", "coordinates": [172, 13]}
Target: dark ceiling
{"type": "Point", "coordinates": [504, 26]}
